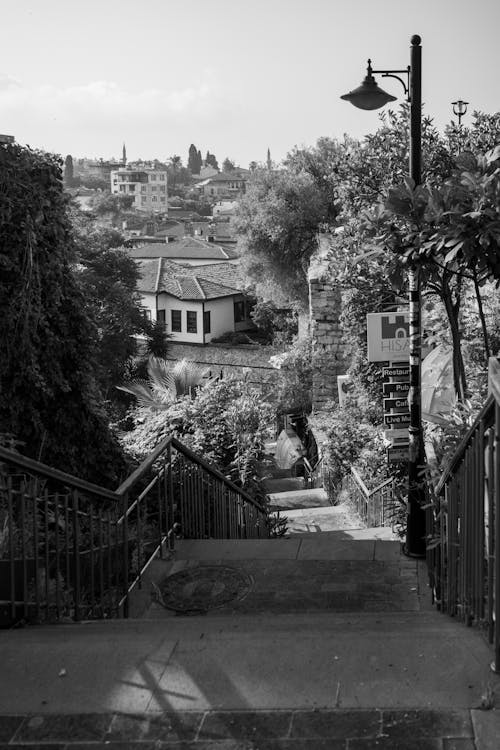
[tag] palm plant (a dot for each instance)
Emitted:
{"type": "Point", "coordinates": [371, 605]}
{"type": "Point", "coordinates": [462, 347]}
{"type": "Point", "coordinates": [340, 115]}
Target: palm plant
{"type": "Point", "coordinates": [165, 383]}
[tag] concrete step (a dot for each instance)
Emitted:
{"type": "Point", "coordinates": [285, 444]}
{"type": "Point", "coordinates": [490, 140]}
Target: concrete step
{"type": "Point", "coordinates": [403, 660]}
{"type": "Point", "coordinates": [298, 498]}
{"type": "Point", "coordinates": [283, 484]}
{"type": "Point", "coordinates": [322, 519]}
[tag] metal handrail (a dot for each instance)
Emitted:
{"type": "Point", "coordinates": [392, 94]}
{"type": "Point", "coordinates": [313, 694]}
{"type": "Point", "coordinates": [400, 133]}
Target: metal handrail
{"type": "Point", "coordinates": [59, 529]}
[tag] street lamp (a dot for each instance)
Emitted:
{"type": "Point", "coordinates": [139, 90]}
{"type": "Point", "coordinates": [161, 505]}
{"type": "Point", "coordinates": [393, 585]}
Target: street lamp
{"type": "Point", "coordinates": [370, 96]}
{"type": "Point", "coordinates": [459, 109]}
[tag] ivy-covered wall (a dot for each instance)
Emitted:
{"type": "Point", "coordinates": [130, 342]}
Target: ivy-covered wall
{"type": "Point", "coordinates": [328, 349]}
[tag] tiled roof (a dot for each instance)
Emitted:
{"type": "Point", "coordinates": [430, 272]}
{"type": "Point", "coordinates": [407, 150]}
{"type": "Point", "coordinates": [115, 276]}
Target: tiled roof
{"type": "Point", "coordinates": [227, 274]}
{"type": "Point", "coordinates": [185, 282]}
{"type": "Point", "coordinates": [185, 247]}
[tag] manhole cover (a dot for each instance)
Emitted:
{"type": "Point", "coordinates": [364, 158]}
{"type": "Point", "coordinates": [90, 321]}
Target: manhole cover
{"type": "Point", "coordinates": [204, 587]}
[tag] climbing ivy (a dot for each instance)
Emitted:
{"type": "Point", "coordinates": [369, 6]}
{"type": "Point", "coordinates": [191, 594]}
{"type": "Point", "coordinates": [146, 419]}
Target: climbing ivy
{"type": "Point", "coordinates": [49, 399]}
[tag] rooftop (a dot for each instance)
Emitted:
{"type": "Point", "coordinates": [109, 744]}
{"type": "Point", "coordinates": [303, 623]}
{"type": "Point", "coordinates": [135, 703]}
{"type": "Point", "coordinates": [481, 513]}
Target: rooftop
{"type": "Point", "coordinates": [185, 248]}
{"type": "Point", "coordinates": [187, 282]}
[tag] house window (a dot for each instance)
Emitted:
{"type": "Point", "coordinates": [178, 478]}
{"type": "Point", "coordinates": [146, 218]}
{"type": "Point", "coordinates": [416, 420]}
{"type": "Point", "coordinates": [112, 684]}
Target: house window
{"type": "Point", "coordinates": [123, 188]}
{"type": "Point", "coordinates": [239, 311]}
{"type": "Point", "coordinates": [162, 199]}
{"type": "Point", "coordinates": [176, 320]}
{"type": "Point", "coordinates": [131, 188]}
{"type": "Point", "coordinates": [154, 199]}
{"type": "Point", "coordinates": [160, 316]}
{"type": "Point", "coordinates": [206, 321]}
{"type": "Point", "coordinates": [153, 178]}
{"type": "Point", "coordinates": [192, 321]}
{"type": "Point", "coordinates": [146, 313]}
{"type": "Point", "coordinates": [154, 189]}
{"type": "Point", "coordinates": [162, 177]}
{"type": "Point", "coordinates": [143, 199]}
{"type": "Point", "coordinates": [162, 188]}
{"type": "Point", "coordinates": [143, 188]}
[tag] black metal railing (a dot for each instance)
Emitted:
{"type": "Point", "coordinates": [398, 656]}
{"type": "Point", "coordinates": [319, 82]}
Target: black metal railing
{"type": "Point", "coordinates": [463, 554]}
{"type": "Point", "coordinates": [69, 548]}
{"type": "Point", "coordinates": [374, 507]}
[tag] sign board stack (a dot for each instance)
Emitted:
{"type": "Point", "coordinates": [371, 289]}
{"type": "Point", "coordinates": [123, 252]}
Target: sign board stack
{"type": "Point", "coordinates": [388, 343]}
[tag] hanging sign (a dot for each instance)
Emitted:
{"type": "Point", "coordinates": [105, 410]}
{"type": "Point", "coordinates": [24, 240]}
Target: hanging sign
{"type": "Point", "coordinates": [388, 336]}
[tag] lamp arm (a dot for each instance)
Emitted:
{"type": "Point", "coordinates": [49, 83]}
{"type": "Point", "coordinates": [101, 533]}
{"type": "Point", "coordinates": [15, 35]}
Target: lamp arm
{"type": "Point", "coordinates": [392, 74]}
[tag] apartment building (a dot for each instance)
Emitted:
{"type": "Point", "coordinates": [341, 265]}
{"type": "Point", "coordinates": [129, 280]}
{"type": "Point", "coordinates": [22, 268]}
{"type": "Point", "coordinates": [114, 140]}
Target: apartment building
{"type": "Point", "coordinates": [147, 185]}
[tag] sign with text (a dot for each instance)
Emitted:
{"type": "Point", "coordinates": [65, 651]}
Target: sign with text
{"type": "Point", "coordinates": [398, 420]}
{"type": "Point", "coordinates": [395, 389]}
{"type": "Point", "coordinates": [401, 372]}
{"type": "Point", "coordinates": [388, 336]}
{"type": "Point", "coordinates": [396, 404]}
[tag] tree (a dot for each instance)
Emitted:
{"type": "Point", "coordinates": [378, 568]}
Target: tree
{"type": "Point", "coordinates": [174, 163]}
{"type": "Point", "coordinates": [211, 161]}
{"type": "Point", "coordinates": [194, 160]}
{"type": "Point", "coordinates": [277, 224]}
{"type": "Point", "coordinates": [228, 165]}
{"type": "Point", "coordinates": [50, 399]}
{"type": "Point", "coordinates": [68, 177]}
{"type": "Point", "coordinates": [108, 278]}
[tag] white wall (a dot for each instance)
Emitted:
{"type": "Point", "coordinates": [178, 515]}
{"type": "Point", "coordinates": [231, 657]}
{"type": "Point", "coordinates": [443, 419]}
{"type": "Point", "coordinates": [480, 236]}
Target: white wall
{"type": "Point", "coordinates": [167, 302]}
{"type": "Point", "coordinates": [221, 316]}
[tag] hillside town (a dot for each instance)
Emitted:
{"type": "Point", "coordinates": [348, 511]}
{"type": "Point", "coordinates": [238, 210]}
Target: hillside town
{"type": "Point", "coordinates": [250, 426]}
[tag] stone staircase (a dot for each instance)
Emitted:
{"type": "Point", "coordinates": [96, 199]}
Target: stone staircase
{"type": "Point", "coordinates": [315, 641]}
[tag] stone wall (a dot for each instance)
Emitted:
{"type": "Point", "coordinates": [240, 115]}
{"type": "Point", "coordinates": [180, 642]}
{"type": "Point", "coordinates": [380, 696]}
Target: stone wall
{"type": "Point", "coordinates": [328, 349]}
{"type": "Point", "coordinates": [251, 360]}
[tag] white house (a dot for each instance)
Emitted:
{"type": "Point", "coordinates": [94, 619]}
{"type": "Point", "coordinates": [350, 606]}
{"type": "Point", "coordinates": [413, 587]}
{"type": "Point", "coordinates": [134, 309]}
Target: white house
{"type": "Point", "coordinates": [148, 187]}
{"type": "Point", "coordinates": [195, 303]}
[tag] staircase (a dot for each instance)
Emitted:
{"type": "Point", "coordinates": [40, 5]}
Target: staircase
{"type": "Point", "coordinates": [320, 639]}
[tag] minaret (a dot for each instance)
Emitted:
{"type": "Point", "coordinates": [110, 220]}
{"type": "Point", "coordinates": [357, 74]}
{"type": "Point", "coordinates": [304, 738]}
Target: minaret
{"type": "Point", "coordinates": [124, 155]}
{"type": "Point", "coordinates": [269, 162]}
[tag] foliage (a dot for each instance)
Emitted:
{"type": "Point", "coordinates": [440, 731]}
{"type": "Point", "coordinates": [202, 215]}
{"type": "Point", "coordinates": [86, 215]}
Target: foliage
{"type": "Point", "coordinates": [194, 160]}
{"type": "Point", "coordinates": [277, 223]}
{"type": "Point", "coordinates": [156, 339]}
{"type": "Point", "coordinates": [353, 440]}
{"type": "Point", "coordinates": [108, 278]}
{"type": "Point", "coordinates": [68, 176]}
{"type": "Point", "coordinates": [211, 160]}
{"type": "Point", "coordinates": [108, 203]}
{"type": "Point", "coordinates": [165, 383]}
{"type": "Point", "coordinates": [228, 165]}
{"type": "Point", "coordinates": [49, 396]}
{"type": "Point", "coordinates": [295, 382]}
{"type": "Point", "coordinates": [279, 325]}
{"type": "Point", "coordinates": [225, 422]}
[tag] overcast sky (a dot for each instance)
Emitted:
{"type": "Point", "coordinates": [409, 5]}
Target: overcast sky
{"type": "Point", "coordinates": [232, 76]}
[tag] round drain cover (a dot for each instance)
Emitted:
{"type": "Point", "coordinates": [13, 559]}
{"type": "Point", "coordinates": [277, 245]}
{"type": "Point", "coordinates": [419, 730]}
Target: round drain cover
{"type": "Point", "coordinates": [203, 587]}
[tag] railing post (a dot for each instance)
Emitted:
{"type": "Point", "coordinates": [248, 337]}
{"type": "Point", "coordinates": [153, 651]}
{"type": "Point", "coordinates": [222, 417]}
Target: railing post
{"type": "Point", "coordinates": [125, 561]}
{"type": "Point", "coordinates": [76, 555]}
{"type": "Point", "coordinates": [496, 502]}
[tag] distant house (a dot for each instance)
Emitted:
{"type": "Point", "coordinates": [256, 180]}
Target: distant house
{"type": "Point", "coordinates": [186, 250]}
{"type": "Point", "coordinates": [196, 304]}
{"type": "Point", "coordinates": [148, 187]}
{"type": "Point", "coordinates": [228, 185]}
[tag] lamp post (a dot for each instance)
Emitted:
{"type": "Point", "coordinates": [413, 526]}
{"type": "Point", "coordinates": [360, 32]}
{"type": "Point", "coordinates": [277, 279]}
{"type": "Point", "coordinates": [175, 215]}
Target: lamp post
{"type": "Point", "coordinates": [370, 96]}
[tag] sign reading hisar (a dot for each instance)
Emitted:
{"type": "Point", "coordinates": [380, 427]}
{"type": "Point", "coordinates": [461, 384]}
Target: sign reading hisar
{"type": "Point", "coordinates": [388, 336]}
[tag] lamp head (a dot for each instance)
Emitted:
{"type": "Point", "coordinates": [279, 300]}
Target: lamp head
{"type": "Point", "coordinates": [369, 95]}
{"type": "Point", "coordinates": [460, 107]}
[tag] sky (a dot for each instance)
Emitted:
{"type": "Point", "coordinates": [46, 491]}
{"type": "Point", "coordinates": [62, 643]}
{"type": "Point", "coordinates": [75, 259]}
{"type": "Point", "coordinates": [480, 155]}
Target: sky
{"type": "Point", "coordinates": [234, 77]}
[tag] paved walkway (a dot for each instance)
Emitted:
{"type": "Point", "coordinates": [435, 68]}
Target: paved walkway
{"type": "Point", "coordinates": [334, 645]}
